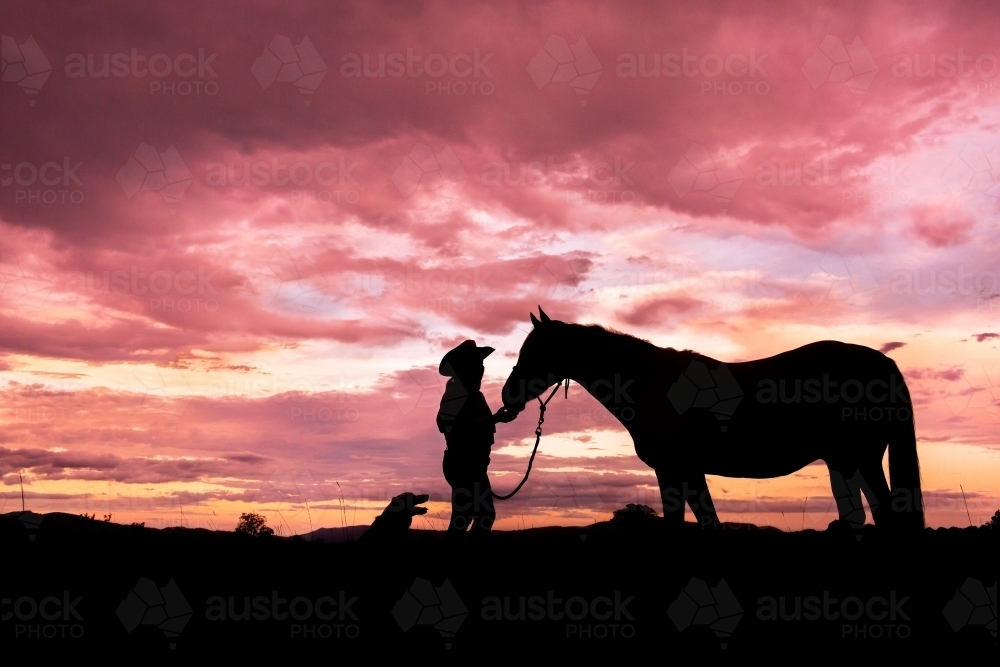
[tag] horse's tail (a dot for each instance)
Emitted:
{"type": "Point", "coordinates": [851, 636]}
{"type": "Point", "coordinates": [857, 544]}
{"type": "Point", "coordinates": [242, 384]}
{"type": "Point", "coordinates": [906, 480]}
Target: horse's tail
{"type": "Point", "coordinates": [907, 503]}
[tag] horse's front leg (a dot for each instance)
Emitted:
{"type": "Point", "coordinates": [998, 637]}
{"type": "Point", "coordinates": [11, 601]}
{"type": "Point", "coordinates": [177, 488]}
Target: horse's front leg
{"type": "Point", "coordinates": [701, 501]}
{"type": "Point", "coordinates": [672, 487]}
{"type": "Point", "coordinates": [680, 487]}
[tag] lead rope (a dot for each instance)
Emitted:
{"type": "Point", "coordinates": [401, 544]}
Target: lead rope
{"type": "Point", "coordinates": [538, 438]}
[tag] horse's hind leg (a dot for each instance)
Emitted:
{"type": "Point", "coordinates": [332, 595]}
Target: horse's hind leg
{"type": "Point", "coordinates": [877, 492]}
{"type": "Point", "coordinates": [846, 485]}
{"type": "Point", "coordinates": [701, 501]}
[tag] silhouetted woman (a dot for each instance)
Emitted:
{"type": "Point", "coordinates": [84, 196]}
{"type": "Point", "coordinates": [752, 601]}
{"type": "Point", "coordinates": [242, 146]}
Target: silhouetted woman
{"type": "Point", "coordinates": [468, 426]}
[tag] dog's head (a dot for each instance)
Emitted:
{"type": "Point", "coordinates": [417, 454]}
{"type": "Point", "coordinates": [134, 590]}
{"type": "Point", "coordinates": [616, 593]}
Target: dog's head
{"type": "Point", "coordinates": [404, 507]}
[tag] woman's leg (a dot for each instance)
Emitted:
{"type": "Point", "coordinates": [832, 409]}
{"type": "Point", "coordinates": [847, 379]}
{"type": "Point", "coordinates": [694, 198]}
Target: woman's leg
{"type": "Point", "coordinates": [484, 511]}
{"type": "Point", "coordinates": [461, 496]}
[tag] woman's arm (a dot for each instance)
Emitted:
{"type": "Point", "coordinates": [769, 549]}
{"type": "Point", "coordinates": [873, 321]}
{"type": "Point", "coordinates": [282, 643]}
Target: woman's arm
{"type": "Point", "coordinates": [504, 415]}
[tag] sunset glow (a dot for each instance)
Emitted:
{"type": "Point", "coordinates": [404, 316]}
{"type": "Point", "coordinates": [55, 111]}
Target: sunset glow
{"type": "Point", "coordinates": [231, 261]}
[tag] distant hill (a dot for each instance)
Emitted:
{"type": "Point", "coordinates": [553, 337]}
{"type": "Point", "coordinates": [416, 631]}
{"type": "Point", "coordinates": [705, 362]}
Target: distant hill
{"type": "Point", "coordinates": [72, 523]}
{"type": "Point", "coordinates": [336, 535]}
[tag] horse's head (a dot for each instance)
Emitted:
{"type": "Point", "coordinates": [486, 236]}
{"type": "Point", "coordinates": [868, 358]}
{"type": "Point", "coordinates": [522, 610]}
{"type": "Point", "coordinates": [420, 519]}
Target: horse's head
{"type": "Point", "coordinates": [540, 363]}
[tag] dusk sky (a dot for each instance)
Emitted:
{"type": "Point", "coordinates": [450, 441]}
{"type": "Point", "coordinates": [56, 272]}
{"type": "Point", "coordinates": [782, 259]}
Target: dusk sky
{"type": "Point", "coordinates": [237, 239]}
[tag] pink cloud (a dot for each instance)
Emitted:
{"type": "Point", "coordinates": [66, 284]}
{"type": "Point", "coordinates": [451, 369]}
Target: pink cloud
{"type": "Point", "coordinates": [658, 311]}
{"type": "Point", "coordinates": [938, 227]}
{"type": "Point", "coordinates": [714, 172]}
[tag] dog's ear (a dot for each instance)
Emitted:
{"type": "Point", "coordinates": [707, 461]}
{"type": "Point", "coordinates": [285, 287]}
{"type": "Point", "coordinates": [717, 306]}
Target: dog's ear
{"type": "Point", "coordinates": [407, 503]}
{"type": "Point", "coordinates": [397, 504]}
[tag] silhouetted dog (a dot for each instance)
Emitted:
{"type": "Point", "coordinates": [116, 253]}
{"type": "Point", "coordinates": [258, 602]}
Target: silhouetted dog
{"type": "Point", "coordinates": [395, 520]}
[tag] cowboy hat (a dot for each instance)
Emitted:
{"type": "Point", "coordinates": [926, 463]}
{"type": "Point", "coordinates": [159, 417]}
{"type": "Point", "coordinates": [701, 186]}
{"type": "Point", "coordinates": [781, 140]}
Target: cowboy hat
{"type": "Point", "coordinates": [463, 355]}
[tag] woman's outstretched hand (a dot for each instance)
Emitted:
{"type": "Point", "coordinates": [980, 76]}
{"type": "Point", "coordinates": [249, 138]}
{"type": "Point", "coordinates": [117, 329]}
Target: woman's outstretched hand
{"type": "Point", "coordinates": [505, 415]}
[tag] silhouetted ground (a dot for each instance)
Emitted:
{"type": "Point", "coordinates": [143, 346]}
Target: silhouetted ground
{"type": "Point", "coordinates": [604, 590]}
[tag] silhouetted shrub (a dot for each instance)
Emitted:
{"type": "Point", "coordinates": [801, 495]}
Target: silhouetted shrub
{"type": "Point", "coordinates": [633, 513]}
{"type": "Point", "coordinates": [254, 525]}
{"type": "Point", "coordinates": [994, 523]}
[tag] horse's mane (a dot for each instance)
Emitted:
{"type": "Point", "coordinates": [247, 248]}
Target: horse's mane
{"type": "Point", "coordinates": [628, 341]}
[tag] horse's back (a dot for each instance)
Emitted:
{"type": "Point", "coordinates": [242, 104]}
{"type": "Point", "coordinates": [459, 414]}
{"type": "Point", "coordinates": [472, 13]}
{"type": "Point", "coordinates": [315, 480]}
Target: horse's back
{"type": "Point", "coordinates": [822, 352]}
{"type": "Point", "coordinates": [813, 402]}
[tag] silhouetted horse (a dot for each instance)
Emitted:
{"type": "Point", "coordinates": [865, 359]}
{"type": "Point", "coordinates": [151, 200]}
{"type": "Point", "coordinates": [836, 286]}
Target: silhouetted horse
{"type": "Point", "coordinates": [690, 415]}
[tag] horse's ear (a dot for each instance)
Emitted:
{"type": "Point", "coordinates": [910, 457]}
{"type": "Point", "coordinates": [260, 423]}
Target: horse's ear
{"type": "Point", "coordinates": [534, 320]}
{"type": "Point", "coordinates": [545, 318]}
